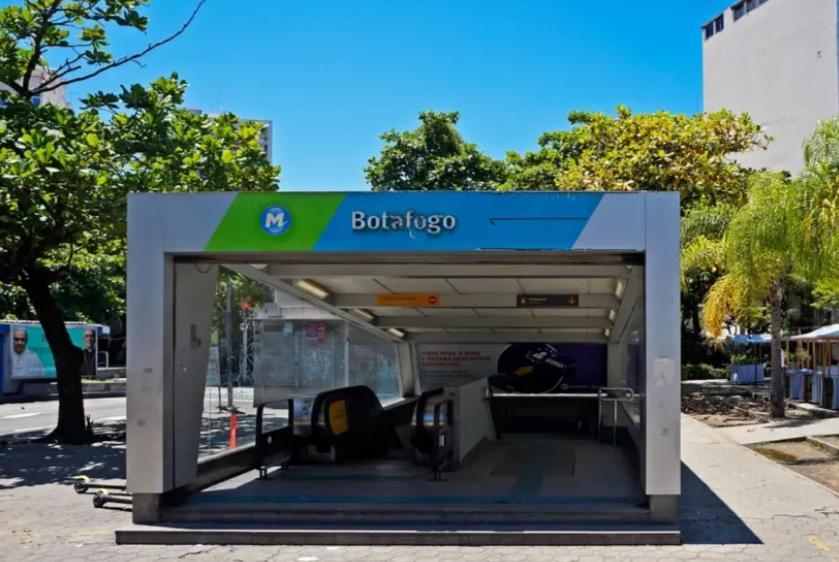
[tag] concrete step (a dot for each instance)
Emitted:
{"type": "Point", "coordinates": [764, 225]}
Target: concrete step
{"type": "Point", "coordinates": [370, 513]}
{"type": "Point", "coordinates": [568, 535]}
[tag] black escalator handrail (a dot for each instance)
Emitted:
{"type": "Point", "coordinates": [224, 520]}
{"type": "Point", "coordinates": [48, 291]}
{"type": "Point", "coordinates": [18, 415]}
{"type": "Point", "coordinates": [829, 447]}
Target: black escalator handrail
{"type": "Point", "coordinates": [422, 401]}
{"type": "Point", "coordinates": [259, 417]}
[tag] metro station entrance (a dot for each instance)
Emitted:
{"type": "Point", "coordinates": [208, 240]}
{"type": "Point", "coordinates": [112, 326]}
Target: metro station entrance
{"type": "Point", "coordinates": [431, 367]}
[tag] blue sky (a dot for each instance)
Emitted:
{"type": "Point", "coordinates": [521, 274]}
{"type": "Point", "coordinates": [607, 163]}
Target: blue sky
{"type": "Point", "coordinates": [334, 75]}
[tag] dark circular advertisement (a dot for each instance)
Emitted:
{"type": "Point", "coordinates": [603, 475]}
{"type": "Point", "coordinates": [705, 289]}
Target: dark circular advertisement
{"type": "Point", "coordinates": [533, 368]}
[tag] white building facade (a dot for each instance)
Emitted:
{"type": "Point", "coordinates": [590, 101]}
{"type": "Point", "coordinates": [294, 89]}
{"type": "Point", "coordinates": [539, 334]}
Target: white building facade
{"type": "Point", "coordinates": [777, 61]}
{"type": "Point", "coordinates": [54, 97]}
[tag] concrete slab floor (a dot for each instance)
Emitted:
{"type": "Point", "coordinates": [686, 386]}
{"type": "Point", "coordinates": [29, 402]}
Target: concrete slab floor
{"type": "Point", "coordinates": [519, 469]}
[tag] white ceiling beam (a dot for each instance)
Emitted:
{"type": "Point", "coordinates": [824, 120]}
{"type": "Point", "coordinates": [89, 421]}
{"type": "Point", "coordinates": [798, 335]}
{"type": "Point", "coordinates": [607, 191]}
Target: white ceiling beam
{"type": "Point", "coordinates": [443, 322]}
{"type": "Point", "coordinates": [421, 270]}
{"type": "Point", "coordinates": [489, 300]}
{"type": "Point", "coordinates": [261, 276]}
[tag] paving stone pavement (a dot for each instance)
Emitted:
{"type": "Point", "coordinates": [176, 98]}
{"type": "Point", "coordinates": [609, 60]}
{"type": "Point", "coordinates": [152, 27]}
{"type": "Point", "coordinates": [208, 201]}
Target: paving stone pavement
{"type": "Point", "coordinates": [736, 505]}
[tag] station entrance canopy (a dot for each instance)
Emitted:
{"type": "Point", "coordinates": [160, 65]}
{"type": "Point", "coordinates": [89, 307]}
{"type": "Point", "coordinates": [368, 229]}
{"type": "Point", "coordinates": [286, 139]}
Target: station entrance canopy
{"type": "Point", "coordinates": [417, 269]}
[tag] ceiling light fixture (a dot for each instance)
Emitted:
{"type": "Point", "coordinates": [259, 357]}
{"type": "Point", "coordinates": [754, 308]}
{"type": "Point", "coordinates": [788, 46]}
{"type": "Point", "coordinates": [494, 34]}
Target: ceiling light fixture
{"type": "Point", "coordinates": [607, 332]}
{"type": "Point", "coordinates": [612, 315]}
{"type": "Point", "coordinates": [396, 332]}
{"type": "Point", "coordinates": [312, 288]}
{"type": "Point", "coordinates": [620, 289]}
{"type": "Point", "coordinates": [364, 314]}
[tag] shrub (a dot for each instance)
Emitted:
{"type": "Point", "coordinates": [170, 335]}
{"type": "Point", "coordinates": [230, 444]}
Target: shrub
{"type": "Point", "coordinates": [700, 371]}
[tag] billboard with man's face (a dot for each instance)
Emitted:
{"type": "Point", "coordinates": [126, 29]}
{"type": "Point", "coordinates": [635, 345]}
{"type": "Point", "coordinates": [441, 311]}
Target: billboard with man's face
{"type": "Point", "coordinates": [29, 355]}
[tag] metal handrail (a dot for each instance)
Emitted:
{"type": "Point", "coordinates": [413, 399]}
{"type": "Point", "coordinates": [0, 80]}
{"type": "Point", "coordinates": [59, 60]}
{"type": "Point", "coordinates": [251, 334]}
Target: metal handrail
{"type": "Point", "coordinates": [613, 395]}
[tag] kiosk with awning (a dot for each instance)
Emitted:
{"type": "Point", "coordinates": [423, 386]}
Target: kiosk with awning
{"type": "Point", "coordinates": [467, 368]}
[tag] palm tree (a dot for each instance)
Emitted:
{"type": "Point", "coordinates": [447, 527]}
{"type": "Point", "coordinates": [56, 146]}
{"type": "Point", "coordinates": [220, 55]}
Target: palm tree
{"type": "Point", "coordinates": [787, 230]}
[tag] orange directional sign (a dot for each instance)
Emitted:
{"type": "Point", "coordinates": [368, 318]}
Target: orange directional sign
{"type": "Point", "coordinates": [407, 300]}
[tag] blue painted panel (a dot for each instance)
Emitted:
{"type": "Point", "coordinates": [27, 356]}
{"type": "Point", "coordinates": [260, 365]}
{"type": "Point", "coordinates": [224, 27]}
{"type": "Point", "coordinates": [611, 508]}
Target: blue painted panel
{"type": "Point", "coordinates": [458, 221]}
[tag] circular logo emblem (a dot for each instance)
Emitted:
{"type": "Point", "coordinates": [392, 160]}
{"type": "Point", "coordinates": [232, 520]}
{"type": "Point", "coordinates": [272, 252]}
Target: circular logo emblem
{"type": "Point", "coordinates": [275, 220]}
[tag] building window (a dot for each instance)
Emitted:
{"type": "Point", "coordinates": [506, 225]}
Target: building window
{"type": "Point", "coordinates": [742, 8]}
{"type": "Point", "coordinates": [36, 101]}
{"type": "Point", "coordinates": [715, 26]}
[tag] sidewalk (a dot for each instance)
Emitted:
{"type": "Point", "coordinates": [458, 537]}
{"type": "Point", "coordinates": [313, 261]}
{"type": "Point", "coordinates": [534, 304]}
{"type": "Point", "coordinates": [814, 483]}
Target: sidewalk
{"type": "Point", "coordinates": [736, 505]}
{"type": "Point", "coordinates": [782, 430]}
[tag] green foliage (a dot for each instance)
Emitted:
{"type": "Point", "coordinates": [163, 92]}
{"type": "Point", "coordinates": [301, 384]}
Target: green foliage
{"type": "Point", "coordinates": [702, 230]}
{"type": "Point", "coordinates": [787, 234]}
{"type": "Point", "coordinates": [826, 293]}
{"type": "Point", "coordinates": [658, 152]}
{"type": "Point", "coordinates": [537, 171]}
{"type": "Point", "coordinates": [744, 359]}
{"type": "Point", "coordinates": [821, 151]}
{"type": "Point", "coordinates": [65, 175]}
{"type": "Point", "coordinates": [433, 156]}
{"type": "Point", "coordinates": [70, 30]}
{"type": "Point", "coordinates": [702, 371]}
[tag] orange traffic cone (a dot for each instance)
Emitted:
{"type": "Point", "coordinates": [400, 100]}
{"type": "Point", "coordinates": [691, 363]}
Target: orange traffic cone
{"type": "Point", "coordinates": [234, 422]}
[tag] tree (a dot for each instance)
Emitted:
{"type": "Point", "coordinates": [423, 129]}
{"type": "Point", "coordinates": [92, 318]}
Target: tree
{"type": "Point", "coordinates": [702, 229]}
{"type": "Point", "coordinates": [433, 156]}
{"type": "Point", "coordinates": [65, 174]}
{"type": "Point", "coordinates": [782, 234]}
{"type": "Point", "coordinates": [539, 170]}
{"type": "Point", "coordinates": [657, 151]}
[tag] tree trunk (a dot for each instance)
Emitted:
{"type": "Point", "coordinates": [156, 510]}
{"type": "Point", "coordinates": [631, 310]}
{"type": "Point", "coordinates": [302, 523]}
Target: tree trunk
{"type": "Point", "coordinates": [778, 404]}
{"type": "Point", "coordinates": [71, 426]}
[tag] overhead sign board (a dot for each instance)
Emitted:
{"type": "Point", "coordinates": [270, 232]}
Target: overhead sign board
{"type": "Point", "coordinates": [408, 300]}
{"type": "Point", "coordinates": [547, 301]}
{"type": "Point", "coordinates": [402, 222]}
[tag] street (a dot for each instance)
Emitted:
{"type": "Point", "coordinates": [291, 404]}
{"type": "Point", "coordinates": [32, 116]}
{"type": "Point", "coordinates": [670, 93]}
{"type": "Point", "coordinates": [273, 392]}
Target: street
{"type": "Point", "coordinates": [29, 419]}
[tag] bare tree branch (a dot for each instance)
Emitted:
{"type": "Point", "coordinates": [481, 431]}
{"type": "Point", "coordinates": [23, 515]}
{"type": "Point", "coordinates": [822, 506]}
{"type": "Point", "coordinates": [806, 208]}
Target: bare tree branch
{"type": "Point", "coordinates": [46, 16]}
{"type": "Point", "coordinates": [54, 83]}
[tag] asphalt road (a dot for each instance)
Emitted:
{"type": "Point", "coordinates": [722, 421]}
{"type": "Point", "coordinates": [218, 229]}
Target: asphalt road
{"type": "Point", "coordinates": [23, 419]}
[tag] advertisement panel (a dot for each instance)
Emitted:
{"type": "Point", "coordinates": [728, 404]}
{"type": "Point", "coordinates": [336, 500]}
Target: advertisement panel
{"type": "Point", "coordinates": [520, 367]}
{"type": "Point", "coordinates": [30, 357]}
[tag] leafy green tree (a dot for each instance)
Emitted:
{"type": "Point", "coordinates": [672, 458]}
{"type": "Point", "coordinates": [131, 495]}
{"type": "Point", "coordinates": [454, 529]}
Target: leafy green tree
{"type": "Point", "coordinates": [433, 156]}
{"type": "Point", "coordinates": [657, 151]}
{"type": "Point", "coordinates": [780, 236]}
{"type": "Point", "coordinates": [65, 174]}
{"type": "Point", "coordinates": [538, 170]}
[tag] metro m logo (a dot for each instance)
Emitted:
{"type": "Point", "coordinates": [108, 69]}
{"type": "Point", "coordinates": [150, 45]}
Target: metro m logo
{"type": "Point", "coordinates": [275, 220]}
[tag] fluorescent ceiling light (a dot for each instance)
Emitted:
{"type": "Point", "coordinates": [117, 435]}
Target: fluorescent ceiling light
{"type": "Point", "coordinates": [607, 332]}
{"type": "Point", "coordinates": [396, 332]}
{"type": "Point", "coordinates": [364, 314]}
{"type": "Point", "coordinates": [312, 288]}
{"type": "Point", "coordinates": [620, 289]}
{"type": "Point", "coordinates": [612, 315]}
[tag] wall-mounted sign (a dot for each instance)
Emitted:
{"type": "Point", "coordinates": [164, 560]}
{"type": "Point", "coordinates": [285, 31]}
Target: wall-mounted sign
{"type": "Point", "coordinates": [408, 221]}
{"type": "Point", "coordinates": [547, 301]}
{"type": "Point", "coordinates": [407, 300]}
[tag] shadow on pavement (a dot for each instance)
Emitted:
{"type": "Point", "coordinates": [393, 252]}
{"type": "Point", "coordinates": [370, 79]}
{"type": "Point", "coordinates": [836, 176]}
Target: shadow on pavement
{"type": "Point", "coordinates": [705, 519]}
{"type": "Point", "coordinates": [33, 464]}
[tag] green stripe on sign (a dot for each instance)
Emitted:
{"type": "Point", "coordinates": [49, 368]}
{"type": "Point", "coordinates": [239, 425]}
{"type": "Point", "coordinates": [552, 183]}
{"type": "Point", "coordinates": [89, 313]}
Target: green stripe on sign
{"type": "Point", "coordinates": [241, 230]}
